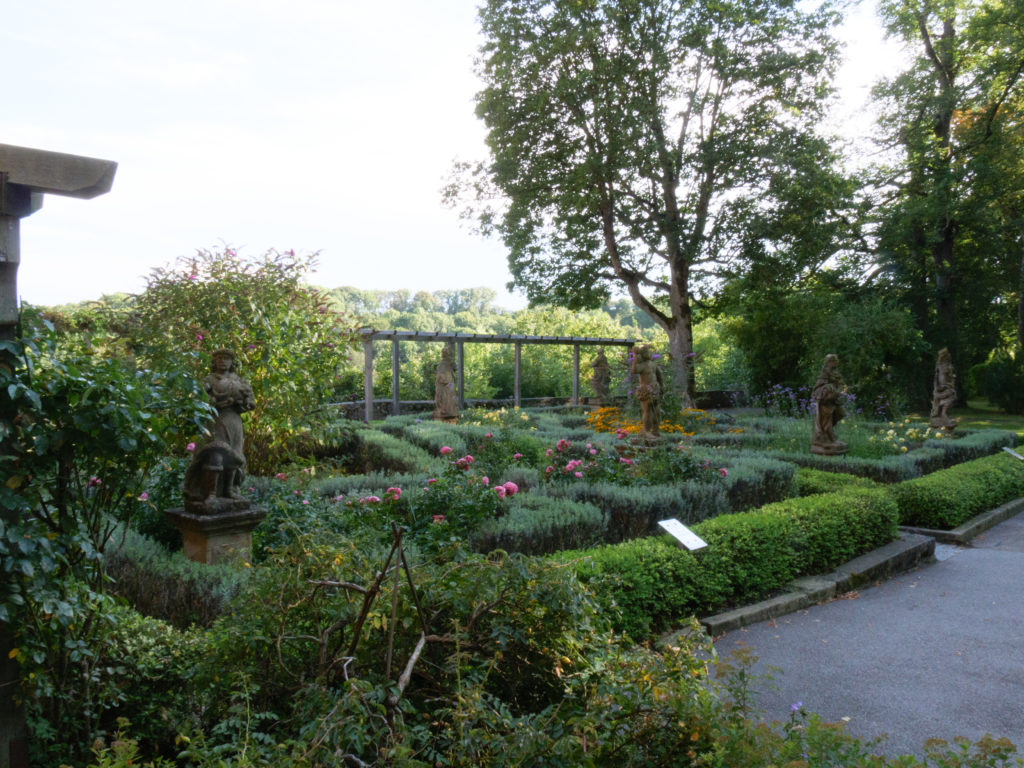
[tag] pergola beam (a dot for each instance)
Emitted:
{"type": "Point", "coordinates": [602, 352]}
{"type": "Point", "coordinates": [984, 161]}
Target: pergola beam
{"type": "Point", "coordinates": [369, 335]}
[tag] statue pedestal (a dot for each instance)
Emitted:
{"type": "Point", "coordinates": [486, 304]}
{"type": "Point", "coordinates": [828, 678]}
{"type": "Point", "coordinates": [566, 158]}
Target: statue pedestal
{"type": "Point", "coordinates": [838, 448]}
{"type": "Point", "coordinates": [219, 535]}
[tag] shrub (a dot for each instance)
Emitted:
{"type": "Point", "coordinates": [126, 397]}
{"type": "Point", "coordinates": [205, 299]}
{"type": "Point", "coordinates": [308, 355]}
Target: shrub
{"type": "Point", "coordinates": [951, 497]}
{"type": "Point", "coordinates": [383, 452]}
{"type": "Point", "coordinates": [655, 584]}
{"type": "Point", "coordinates": [287, 341]}
{"type": "Point", "coordinates": [812, 481]}
{"type": "Point", "coordinates": [1001, 382]}
{"type": "Point", "coordinates": [632, 511]}
{"type": "Point", "coordinates": [755, 480]}
{"type": "Point", "coordinates": [169, 586]}
{"type": "Point", "coordinates": [539, 525]}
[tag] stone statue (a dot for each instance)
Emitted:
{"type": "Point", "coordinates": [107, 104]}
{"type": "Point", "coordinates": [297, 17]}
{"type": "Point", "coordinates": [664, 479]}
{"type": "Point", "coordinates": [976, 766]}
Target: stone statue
{"type": "Point", "coordinates": [648, 386]}
{"type": "Point", "coordinates": [602, 378]}
{"type": "Point", "coordinates": [943, 392]}
{"type": "Point", "coordinates": [827, 409]}
{"type": "Point", "coordinates": [218, 468]}
{"type": "Point", "coordinates": [446, 396]}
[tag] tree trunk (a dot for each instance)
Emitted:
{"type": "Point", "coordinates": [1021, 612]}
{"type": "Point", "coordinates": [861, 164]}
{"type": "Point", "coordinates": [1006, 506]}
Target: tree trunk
{"type": "Point", "coordinates": [680, 346]}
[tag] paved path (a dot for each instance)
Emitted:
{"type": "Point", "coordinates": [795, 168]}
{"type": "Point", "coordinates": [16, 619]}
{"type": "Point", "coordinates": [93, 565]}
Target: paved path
{"type": "Point", "coordinates": [936, 652]}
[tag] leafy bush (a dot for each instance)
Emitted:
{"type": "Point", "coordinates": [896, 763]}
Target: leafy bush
{"type": "Point", "coordinates": [656, 585]}
{"type": "Point", "coordinates": [754, 480]}
{"type": "Point", "coordinates": [169, 586]}
{"type": "Point", "coordinates": [286, 339]}
{"type": "Point", "coordinates": [632, 512]}
{"type": "Point", "coordinates": [1001, 382]}
{"type": "Point", "coordinates": [812, 481]}
{"type": "Point", "coordinates": [385, 453]}
{"type": "Point", "coordinates": [539, 525]}
{"type": "Point", "coordinates": [951, 497]}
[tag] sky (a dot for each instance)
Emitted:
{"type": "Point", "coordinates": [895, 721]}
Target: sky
{"type": "Point", "coordinates": [315, 125]}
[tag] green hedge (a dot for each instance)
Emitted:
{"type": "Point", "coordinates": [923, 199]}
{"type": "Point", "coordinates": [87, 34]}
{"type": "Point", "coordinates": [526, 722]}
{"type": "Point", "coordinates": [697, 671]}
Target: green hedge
{"type": "Point", "coordinates": [811, 481]}
{"type": "Point", "coordinates": [656, 585]}
{"type": "Point", "coordinates": [951, 497]}
{"type": "Point", "coordinates": [755, 480]}
{"type": "Point", "coordinates": [382, 452]}
{"type": "Point", "coordinates": [169, 586]}
{"type": "Point", "coordinates": [539, 525]}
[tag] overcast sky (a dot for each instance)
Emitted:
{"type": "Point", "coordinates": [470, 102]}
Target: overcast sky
{"type": "Point", "coordinates": [324, 125]}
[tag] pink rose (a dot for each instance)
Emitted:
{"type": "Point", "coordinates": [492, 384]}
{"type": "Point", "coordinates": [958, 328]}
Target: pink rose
{"type": "Point", "coordinates": [445, 450]}
{"type": "Point", "coordinates": [485, 480]}
{"type": "Point", "coordinates": [579, 474]}
{"type": "Point", "coordinates": [190, 447]}
{"type": "Point", "coordinates": [489, 434]}
{"type": "Point", "coordinates": [723, 471]}
{"type": "Point", "coordinates": [280, 476]}
{"type": "Point", "coordinates": [517, 456]}
{"type": "Point", "coordinates": [511, 488]}
{"type": "Point", "coordinates": [500, 490]}
{"type": "Point", "coordinates": [438, 518]}
{"type": "Point", "coordinates": [431, 480]}
{"type": "Point", "coordinates": [143, 496]}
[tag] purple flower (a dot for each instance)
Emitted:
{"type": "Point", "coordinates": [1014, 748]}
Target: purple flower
{"type": "Point", "coordinates": [143, 496]}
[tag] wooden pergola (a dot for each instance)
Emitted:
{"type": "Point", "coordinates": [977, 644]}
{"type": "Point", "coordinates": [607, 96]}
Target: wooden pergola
{"type": "Point", "coordinates": [369, 335]}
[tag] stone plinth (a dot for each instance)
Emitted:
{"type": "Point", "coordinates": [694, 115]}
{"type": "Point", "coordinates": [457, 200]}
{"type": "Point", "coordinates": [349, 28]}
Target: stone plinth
{"type": "Point", "coordinates": [220, 537]}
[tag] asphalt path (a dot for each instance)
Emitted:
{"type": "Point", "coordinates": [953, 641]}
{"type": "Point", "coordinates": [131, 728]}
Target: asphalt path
{"type": "Point", "coordinates": [937, 652]}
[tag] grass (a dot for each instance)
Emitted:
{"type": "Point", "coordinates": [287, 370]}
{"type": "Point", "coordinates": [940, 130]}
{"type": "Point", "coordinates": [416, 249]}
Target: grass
{"type": "Point", "coordinates": [980, 415]}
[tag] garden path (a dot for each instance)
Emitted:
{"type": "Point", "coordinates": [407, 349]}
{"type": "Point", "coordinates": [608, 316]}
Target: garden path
{"type": "Point", "coordinates": [935, 652]}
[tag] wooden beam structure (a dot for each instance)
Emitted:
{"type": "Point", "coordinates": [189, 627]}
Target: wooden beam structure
{"type": "Point", "coordinates": [369, 335]}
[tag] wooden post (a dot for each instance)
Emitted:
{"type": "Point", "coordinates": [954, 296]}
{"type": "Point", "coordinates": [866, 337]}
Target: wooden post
{"type": "Point", "coordinates": [460, 366]}
{"type": "Point", "coordinates": [575, 374]}
{"type": "Point", "coordinates": [519, 357]}
{"type": "Point", "coordinates": [368, 379]}
{"type": "Point", "coordinates": [394, 378]}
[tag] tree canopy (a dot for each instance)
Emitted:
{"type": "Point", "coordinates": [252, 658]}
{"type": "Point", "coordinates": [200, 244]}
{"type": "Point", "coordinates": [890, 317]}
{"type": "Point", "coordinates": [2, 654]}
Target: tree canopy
{"type": "Point", "coordinates": [652, 146]}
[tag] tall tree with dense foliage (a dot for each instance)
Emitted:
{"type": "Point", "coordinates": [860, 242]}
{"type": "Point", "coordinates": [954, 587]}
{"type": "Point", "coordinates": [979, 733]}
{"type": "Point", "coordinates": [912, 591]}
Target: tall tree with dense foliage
{"type": "Point", "coordinates": [651, 146]}
{"type": "Point", "coordinates": [951, 240]}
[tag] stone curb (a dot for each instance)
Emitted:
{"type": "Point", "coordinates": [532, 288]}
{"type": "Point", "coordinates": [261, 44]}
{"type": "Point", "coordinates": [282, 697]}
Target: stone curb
{"type": "Point", "coordinates": [897, 556]}
{"type": "Point", "coordinates": [973, 527]}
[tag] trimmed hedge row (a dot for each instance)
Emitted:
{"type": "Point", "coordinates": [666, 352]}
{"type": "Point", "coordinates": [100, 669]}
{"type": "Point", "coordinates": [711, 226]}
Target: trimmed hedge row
{"type": "Point", "coordinates": [539, 525]}
{"type": "Point", "coordinates": [168, 585]}
{"type": "Point", "coordinates": [951, 497]}
{"type": "Point", "coordinates": [811, 481]}
{"type": "Point", "coordinates": [383, 452]}
{"type": "Point", "coordinates": [655, 585]}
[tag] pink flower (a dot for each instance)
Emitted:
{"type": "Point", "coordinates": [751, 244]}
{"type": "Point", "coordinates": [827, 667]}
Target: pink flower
{"type": "Point", "coordinates": [578, 474]}
{"type": "Point", "coordinates": [445, 450]}
{"type": "Point", "coordinates": [369, 500]}
{"type": "Point", "coordinates": [94, 482]}
{"type": "Point", "coordinates": [489, 434]}
{"type": "Point", "coordinates": [190, 447]}
{"type": "Point", "coordinates": [295, 493]}
{"type": "Point", "coordinates": [280, 476]}
{"type": "Point", "coordinates": [562, 444]}
{"type": "Point", "coordinates": [511, 488]}
{"type": "Point", "coordinates": [626, 461]}
{"type": "Point", "coordinates": [199, 336]}
{"type": "Point", "coordinates": [395, 493]}
{"type": "Point", "coordinates": [305, 501]}
{"type": "Point", "coordinates": [549, 469]}
{"type": "Point", "coordinates": [500, 490]}
{"type": "Point", "coordinates": [621, 434]}
{"type": "Point", "coordinates": [339, 497]}
{"type": "Point", "coordinates": [723, 471]}
{"type": "Point", "coordinates": [516, 456]}
{"type": "Point", "coordinates": [548, 452]}
{"type": "Point", "coordinates": [143, 496]}
{"type": "Point", "coordinates": [593, 451]}
{"type": "Point", "coordinates": [438, 518]}
{"type": "Point", "coordinates": [431, 480]}
{"type": "Point", "coordinates": [485, 480]}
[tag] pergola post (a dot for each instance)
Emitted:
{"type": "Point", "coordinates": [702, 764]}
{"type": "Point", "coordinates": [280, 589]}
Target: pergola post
{"type": "Point", "coordinates": [368, 379]}
{"type": "Point", "coordinates": [460, 366]}
{"type": "Point", "coordinates": [519, 358]}
{"type": "Point", "coordinates": [394, 377]}
{"type": "Point", "coordinates": [25, 176]}
{"type": "Point", "coordinates": [575, 374]}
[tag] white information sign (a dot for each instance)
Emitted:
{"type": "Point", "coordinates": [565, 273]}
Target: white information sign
{"type": "Point", "coordinates": [1014, 453]}
{"type": "Point", "coordinates": [686, 537]}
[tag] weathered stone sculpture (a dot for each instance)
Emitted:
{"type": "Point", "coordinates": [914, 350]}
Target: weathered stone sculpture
{"type": "Point", "coordinates": [218, 468]}
{"type": "Point", "coordinates": [648, 386]}
{"type": "Point", "coordinates": [216, 522]}
{"type": "Point", "coordinates": [446, 396]}
{"type": "Point", "coordinates": [943, 392]}
{"type": "Point", "coordinates": [602, 378]}
{"type": "Point", "coordinates": [827, 409]}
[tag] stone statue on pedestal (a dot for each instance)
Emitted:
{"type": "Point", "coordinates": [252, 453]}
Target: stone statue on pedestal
{"type": "Point", "coordinates": [648, 384]}
{"type": "Point", "coordinates": [827, 409]}
{"type": "Point", "coordinates": [943, 392]}
{"type": "Point", "coordinates": [602, 378]}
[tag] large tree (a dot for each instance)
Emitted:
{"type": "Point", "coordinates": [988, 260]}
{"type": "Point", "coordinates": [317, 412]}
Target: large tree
{"type": "Point", "coordinates": [951, 232]}
{"type": "Point", "coordinates": [652, 145]}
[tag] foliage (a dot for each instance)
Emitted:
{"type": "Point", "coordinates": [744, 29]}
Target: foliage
{"type": "Point", "coordinates": [950, 497]}
{"type": "Point", "coordinates": [949, 233]}
{"type": "Point", "coordinates": [287, 341]}
{"type": "Point", "coordinates": [812, 481]}
{"type": "Point", "coordinates": [1000, 380]}
{"type": "Point", "coordinates": [81, 434]}
{"type": "Point", "coordinates": [539, 525]}
{"type": "Point", "coordinates": [638, 145]}
{"type": "Point", "coordinates": [654, 583]}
